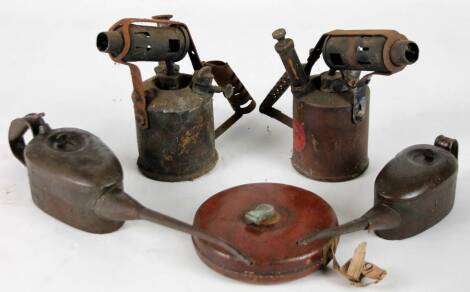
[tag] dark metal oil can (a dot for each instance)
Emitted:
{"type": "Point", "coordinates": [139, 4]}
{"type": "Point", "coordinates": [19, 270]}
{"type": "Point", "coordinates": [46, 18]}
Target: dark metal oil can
{"type": "Point", "coordinates": [413, 192]}
{"type": "Point", "coordinates": [75, 178]}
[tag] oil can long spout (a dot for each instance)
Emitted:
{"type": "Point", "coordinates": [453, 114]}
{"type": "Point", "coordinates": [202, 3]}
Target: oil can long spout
{"type": "Point", "coordinates": [115, 204]}
{"type": "Point", "coordinates": [380, 217]}
{"type": "Point", "coordinates": [156, 217]}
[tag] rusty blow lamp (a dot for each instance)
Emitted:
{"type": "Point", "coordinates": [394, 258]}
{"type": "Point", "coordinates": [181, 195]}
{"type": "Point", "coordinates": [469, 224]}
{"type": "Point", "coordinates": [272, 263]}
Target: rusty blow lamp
{"type": "Point", "coordinates": [75, 178]}
{"type": "Point", "coordinates": [173, 110]}
{"type": "Point", "coordinates": [331, 110]}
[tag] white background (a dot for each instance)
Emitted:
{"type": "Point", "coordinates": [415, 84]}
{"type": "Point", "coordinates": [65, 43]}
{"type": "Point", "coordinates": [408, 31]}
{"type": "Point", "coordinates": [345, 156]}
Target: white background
{"type": "Point", "coordinates": [49, 63]}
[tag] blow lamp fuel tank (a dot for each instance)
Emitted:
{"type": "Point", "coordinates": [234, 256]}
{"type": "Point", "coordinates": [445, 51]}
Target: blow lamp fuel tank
{"type": "Point", "coordinates": [173, 110]}
{"type": "Point", "coordinates": [331, 110]}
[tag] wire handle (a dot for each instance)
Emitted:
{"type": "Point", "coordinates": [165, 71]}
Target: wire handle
{"type": "Point", "coordinates": [241, 101]}
{"type": "Point", "coordinates": [18, 127]}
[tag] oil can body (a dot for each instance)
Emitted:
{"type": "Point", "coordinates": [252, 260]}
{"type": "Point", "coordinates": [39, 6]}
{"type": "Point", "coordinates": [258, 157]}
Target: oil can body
{"type": "Point", "coordinates": [179, 142]}
{"type": "Point", "coordinates": [419, 183]}
{"type": "Point", "coordinates": [328, 145]}
{"type": "Point", "coordinates": [68, 170]}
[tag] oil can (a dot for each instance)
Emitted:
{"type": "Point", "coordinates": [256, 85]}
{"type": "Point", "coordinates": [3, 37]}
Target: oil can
{"type": "Point", "coordinates": [331, 110]}
{"type": "Point", "coordinates": [412, 193]}
{"type": "Point", "coordinates": [174, 111]}
{"type": "Point", "coordinates": [75, 178]}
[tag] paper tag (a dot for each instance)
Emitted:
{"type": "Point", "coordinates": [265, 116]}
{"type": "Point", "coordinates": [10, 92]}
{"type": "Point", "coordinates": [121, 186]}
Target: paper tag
{"type": "Point", "coordinates": [357, 270]}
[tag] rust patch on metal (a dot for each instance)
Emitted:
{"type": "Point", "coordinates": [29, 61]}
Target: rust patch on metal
{"type": "Point", "coordinates": [190, 137]}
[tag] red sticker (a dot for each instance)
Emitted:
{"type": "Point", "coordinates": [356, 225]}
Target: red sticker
{"type": "Point", "coordinates": [299, 135]}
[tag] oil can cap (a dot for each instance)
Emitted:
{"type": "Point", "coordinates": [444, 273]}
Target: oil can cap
{"type": "Point", "coordinates": [264, 221]}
